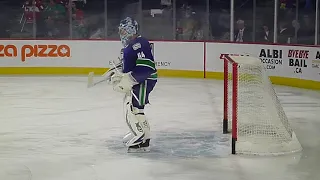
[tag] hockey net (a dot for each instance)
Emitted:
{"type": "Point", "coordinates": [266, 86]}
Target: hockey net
{"type": "Point", "coordinates": [252, 110]}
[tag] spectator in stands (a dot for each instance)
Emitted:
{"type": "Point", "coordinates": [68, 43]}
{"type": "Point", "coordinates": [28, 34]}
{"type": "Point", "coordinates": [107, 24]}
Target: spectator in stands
{"type": "Point", "coordinates": [55, 11]}
{"type": "Point", "coordinates": [32, 13]}
{"type": "Point", "coordinates": [79, 28]}
{"type": "Point", "coordinates": [197, 31]}
{"type": "Point", "coordinates": [33, 6]}
{"type": "Point", "coordinates": [64, 3]}
{"type": "Point", "coordinates": [306, 31]}
{"type": "Point", "coordinates": [184, 23]}
{"type": "Point", "coordinates": [56, 18]}
{"type": "Point", "coordinates": [284, 34]}
{"type": "Point", "coordinates": [188, 26]}
{"type": "Point", "coordinates": [77, 14]}
{"type": "Point", "coordinates": [242, 34]}
{"type": "Point", "coordinates": [223, 26]}
{"type": "Point", "coordinates": [266, 36]}
{"type": "Point", "coordinates": [294, 29]}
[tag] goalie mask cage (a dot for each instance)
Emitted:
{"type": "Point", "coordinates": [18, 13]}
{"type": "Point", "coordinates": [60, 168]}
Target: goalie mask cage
{"type": "Point", "coordinates": [252, 110]}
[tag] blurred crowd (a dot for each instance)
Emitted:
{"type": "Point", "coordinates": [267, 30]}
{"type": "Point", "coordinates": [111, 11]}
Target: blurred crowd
{"type": "Point", "coordinates": [161, 19]}
{"type": "Point", "coordinates": [51, 18]}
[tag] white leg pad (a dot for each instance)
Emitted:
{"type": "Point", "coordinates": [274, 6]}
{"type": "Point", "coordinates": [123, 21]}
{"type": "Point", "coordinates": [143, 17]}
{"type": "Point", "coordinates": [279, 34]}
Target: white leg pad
{"type": "Point", "coordinates": [127, 137]}
{"type": "Point", "coordinates": [145, 126]}
{"type": "Point", "coordinates": [133, 123]}
{"type": "Point", "coordinates": [135, 128]}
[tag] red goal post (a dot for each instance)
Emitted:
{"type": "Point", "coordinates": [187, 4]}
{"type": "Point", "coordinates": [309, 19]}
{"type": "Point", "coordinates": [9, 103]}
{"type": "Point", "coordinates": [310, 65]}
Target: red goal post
{"type": "Point", "coordinates": [252, 111]}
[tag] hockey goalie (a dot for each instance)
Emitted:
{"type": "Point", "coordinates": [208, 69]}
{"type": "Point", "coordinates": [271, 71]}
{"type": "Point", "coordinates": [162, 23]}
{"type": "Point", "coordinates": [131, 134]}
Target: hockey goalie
{"type": "Point", "coordinates": [135, 76]}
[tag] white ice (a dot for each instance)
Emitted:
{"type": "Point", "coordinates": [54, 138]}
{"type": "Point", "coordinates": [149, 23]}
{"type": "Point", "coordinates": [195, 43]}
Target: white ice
{"type": "Point", "coordinates": [55, 128]}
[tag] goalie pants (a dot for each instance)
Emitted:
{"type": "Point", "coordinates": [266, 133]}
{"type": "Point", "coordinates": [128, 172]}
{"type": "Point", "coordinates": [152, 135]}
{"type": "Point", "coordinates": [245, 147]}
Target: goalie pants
{"type": "Point", "coordinates": [142, 92]}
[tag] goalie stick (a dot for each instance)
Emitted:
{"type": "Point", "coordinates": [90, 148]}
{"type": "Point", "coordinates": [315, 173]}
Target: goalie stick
{"type": "Point", "coordinates": [91, 82]}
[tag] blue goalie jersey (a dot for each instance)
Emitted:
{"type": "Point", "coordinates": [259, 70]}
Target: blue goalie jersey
{"type": "Point", "coordinates": [138, 58]}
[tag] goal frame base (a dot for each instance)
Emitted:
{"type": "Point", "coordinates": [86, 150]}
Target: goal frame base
{"type": "Point", "coordinates": [225, 126]}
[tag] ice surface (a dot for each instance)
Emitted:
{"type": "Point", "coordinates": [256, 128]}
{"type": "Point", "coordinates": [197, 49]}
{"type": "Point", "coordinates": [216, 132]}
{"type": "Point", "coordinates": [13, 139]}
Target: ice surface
{"type": "Point", "coordinates": [54, 128]}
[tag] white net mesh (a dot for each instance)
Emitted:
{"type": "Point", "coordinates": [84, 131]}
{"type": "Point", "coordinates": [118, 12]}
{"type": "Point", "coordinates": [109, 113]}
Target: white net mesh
{"type": "Point", "coordinates": [263, 127]}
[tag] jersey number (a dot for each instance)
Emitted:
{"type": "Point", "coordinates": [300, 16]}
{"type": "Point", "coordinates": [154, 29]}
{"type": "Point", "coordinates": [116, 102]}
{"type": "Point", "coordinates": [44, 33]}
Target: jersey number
{"type": "Point", "coordinates": [141, 55]}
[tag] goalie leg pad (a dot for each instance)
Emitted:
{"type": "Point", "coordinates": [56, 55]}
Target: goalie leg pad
{"type": "Point", "coordinates": [145, 126]}
{"type": "Point", "coordinates": [134, 125]}
{"type": "Point", "coordinates": [127, 137]}
{"type": "Point", "coordinates": [136, 108]}
{"type": "Point", "coordinates": [142, 92]}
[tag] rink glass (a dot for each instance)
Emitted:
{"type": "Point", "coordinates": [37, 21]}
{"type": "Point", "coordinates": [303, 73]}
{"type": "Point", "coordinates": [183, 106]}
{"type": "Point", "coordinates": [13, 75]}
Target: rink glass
{"type": "Point", "coordinates": [184, 20]}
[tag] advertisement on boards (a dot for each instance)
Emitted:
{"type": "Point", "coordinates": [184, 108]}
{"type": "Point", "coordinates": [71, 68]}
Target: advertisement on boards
{"type": "Point", "coordinates": [28, 51]}
{"type": "Point", "coordinates": [316, 63]}
{"type": "Point", "coordinates": [298, 60]}
{"type": "Point", "coordinates": [163, 63]}
{"type": "Point", "coordinates": [159, 63]}
{"type": "Point", "coordinates": [178, 55]}
{"type": "Point", "coordinates": [271, 58]}
{"type": "Point", "coordinates": [283, 61]}
{"type": "Point", "coordinates": [62, 53]}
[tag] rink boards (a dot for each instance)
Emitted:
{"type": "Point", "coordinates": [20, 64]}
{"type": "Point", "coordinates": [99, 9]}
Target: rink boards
{"type": "Point", "coordinates": [297, 66]}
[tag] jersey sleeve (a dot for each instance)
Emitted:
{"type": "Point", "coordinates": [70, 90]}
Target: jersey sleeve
{"type": "Point", "coordinates": [144, 66]}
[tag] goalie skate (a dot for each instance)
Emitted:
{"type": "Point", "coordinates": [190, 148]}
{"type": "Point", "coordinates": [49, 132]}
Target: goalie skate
{"type": "Point", "coordinates": [140, 148]}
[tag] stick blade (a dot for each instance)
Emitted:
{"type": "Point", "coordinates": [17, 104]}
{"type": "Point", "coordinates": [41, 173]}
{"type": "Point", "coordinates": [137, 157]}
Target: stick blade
{"type": "Point", "coordinates": [90, 79]}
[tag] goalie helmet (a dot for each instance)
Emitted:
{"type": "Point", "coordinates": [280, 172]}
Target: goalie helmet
{"type": "Point", "coordinates": [128, 27]}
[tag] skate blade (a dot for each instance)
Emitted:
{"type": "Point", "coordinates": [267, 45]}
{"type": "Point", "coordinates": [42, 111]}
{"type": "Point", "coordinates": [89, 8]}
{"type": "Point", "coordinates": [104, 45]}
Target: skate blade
{"type": "Point", "coordinates": [139, 150]}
